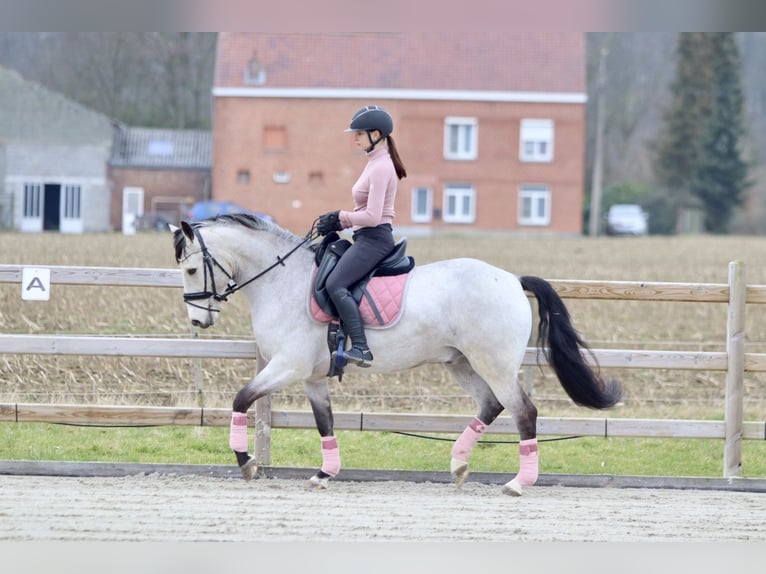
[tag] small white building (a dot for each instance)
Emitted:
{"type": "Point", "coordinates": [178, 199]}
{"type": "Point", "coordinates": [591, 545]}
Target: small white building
{"type": "Point", "coordinates": [53, 160]}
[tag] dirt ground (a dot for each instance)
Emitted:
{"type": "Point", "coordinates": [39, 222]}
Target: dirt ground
{"type": "Point", "coordinates": [159, 507]}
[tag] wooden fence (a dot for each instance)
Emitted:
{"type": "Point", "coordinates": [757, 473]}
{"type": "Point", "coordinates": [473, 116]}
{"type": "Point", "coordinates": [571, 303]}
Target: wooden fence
{"type": "Point", "coordinates": [734, 361]}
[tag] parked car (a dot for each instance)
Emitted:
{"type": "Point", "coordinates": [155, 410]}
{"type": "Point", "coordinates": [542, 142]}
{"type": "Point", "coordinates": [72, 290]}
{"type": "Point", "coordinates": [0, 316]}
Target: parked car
{"type": "Point", "coordinates": [205, 209]}
{"type": "Point", "coordinates": [627, 219]}
{"type": "Point", "coordinates": [152, 222]}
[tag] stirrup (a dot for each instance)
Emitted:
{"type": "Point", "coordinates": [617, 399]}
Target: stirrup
{"type": "Point", "coordinates": [362, 357]}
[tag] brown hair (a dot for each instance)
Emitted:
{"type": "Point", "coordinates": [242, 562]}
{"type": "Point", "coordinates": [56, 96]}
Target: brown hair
{"type": "Point", "coordinates": [401, 171]}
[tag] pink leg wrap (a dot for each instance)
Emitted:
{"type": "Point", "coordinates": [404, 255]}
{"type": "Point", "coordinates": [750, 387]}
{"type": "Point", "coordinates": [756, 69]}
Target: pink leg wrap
{"type": "Point", "coordinates": [330, 455]}
{"type": "Point", "coordinates": [463, 446]}
{"type": "Point", "coordinates": [528, 462]}
{"type": "Point", "coordinates": [238, 432]}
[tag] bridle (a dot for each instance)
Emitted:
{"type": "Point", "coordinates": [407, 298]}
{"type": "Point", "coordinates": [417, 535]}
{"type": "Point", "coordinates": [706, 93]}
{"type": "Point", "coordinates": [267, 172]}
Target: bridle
{"type": "Point", "coordinates": [210, 262]}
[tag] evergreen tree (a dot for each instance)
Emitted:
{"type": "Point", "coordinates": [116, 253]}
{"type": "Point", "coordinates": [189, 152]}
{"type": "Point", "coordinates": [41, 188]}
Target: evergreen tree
{"type": "Point", "coordinates": [691, 104]}
{"type": "Point", "coordinates": [720, 176]}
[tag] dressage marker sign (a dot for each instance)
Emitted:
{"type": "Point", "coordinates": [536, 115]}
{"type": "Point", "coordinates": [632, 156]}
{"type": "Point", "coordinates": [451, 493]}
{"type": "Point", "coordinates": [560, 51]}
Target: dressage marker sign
{"type": "Point", "coordinates": [35, 284]}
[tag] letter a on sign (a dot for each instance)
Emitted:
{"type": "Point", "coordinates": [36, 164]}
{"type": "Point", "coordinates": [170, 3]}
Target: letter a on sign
{"type": "Point", "coordinates": [35, 284]}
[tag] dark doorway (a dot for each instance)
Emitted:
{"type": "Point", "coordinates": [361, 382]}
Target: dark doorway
{"type": "Point", "coordinates": [52, 209]}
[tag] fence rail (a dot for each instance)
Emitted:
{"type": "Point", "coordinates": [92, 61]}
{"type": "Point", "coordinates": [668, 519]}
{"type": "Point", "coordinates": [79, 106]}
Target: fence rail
{"type": "Point", "coordinates": [131, 416]}
{"type": "Point", "coordinates": [736, 294]}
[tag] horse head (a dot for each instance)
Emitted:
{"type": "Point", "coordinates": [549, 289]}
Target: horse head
{"type": "Point", "coordinates": [211, 252]}
{"type": "Point", "coordinates": [206, 281]}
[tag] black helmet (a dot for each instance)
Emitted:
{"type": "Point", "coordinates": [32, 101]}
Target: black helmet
{"type": "Point", "coordinates": [371, 118]}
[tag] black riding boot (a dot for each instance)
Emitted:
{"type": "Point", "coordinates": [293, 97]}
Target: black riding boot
{"type": "Point", "coordinates": [349, 314]}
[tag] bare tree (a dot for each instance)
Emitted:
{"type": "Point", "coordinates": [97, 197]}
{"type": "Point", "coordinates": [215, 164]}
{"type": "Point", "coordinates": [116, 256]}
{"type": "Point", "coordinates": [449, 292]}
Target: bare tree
{"type": "Point", "coordinates": [139, 78]}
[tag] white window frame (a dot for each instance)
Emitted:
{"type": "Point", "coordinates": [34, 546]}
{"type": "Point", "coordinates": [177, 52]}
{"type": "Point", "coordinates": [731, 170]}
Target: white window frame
{"type": "Point", "coordinates": [427, 215]}
{"type": "Point", "coordinates": [70, 214]}
{"type": "Point", "coordinates": [533, 195]}
{"type": "Point", "coordinates": [460, 192]}
{"type": "Point", "coordinates": [33, 202]}
{"type": "Point", "coordinates": [461, 138]}
{"type": "Point", "coordinates": [536, 137]}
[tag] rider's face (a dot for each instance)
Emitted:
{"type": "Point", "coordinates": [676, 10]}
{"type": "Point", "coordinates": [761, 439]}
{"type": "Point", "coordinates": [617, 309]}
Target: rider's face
{"type": "Point", "coordinates": [362, 141]}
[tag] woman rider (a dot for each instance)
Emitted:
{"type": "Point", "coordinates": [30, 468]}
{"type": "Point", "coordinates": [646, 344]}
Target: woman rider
{"type": "Point", "coordinates": [373, 194]}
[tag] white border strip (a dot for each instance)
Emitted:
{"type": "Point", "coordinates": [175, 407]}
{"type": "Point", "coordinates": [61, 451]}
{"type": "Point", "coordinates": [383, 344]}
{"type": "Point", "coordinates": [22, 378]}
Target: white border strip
{"type": "Point", "coordinates": [385, 94]}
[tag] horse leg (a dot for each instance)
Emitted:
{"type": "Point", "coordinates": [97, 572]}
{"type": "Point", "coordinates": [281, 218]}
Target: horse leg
{"type": "Point", "coordinates": [270, 378]}
{"type": "Point", "coordinates": [318, 394]}
{"type": "Point", "coordinates": [489, 409]}
{"type": "Point", "coordinates": [525, 418]}
{"type": "Point", "coordinates": [495, 377]}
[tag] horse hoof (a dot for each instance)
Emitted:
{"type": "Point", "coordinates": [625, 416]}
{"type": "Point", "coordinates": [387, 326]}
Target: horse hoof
{"type": "Point", "coordinates": [460, 472]}
{"type": "Point", "coordinates": [249, 469]}
{"type": "Point", "coordinates": [316, 483]}
{"type": "Point", "coordinates": [512, 488]}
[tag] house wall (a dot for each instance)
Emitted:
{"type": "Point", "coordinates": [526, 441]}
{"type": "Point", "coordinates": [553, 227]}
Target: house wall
{"type": "Point", "coordinates": [322, 164]}
{"type": "Point", "coordinates": [6, 200]}
{"type": "Point", "coordinates": [169, 190]}
{"type": "Point", "coordinates": [59, 164]}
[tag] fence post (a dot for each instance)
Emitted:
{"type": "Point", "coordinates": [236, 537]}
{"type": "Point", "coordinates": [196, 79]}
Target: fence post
{"type": "Point", "coordinates": [262, 447]}
{"type": "Point", "coordinates": [735, 373]}
{"type": "Point", "coordinates": [263, 431]}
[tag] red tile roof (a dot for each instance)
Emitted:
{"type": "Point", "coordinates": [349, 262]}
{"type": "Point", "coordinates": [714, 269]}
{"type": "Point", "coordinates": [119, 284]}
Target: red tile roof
{"type": "Point", "coordinates": [509, 62]}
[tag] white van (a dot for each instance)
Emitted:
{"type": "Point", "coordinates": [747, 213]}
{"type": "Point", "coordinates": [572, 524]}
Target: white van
{"type": "Point", "coordinates": [627, 219]}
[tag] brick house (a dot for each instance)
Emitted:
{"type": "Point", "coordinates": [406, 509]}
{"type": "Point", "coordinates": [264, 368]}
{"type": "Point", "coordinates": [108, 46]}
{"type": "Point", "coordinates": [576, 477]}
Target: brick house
{"type": "Point", "coordinates": [157, 172]}
{"type": "Point", "coordinates": [491, 127]}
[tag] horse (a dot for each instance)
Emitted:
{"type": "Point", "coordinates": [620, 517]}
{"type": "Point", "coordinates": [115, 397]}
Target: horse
{"type": "Point", "coordinates": [472, 317]}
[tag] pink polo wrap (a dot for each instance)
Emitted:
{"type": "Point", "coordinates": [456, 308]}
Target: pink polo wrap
{"type": "Point", "coordinates": [330, 455]}
{"type": "Point", "coordinates": [238, 432]}
{"type": "Point", "coordinates": [463, 446]}
{"type": "Point", "coordinates": [528, 462]}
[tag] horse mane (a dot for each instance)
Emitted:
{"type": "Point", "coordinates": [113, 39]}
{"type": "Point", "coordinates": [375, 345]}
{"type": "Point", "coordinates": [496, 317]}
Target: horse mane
{"type": "Point", "coordinates": [244, 219]}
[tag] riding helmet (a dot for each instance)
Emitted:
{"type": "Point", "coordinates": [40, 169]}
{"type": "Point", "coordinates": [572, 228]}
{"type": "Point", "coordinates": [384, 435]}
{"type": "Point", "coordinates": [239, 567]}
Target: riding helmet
{"type": "Point", "coordinates": [371, 118]}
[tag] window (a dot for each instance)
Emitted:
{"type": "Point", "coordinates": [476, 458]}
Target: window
{"type": "Point", "coordinates": [274, 138]}
{"type": "Point", "coordinates": [243, 176]}
{"type": "Point", "coordinates": [71, 204]}
{"type": "Point", "coordinates": [534, 205]}
{"type": "Point", "coordinates": [255, 74]}
{"type": "Point", "coordinates": [160, 148]}
{"type": "Point", "coordinates": [459, 203]}
{"type": "Point", "coordinates": [32, 200]}
{"type": "Point", "coordinates": [422, 204]}
{"type": "Point", "coordinates": [316, 177]}
{"type": "Point", "coordinates": [461, 138]}
{"type": "Point", "coordinates": [536, 142]}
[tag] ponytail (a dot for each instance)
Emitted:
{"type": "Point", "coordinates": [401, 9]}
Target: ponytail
{"type": "Point", "coordinates": [401, 172]}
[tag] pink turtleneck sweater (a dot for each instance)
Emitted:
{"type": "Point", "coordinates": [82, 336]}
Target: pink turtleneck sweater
{"type": "Point", "coordinates": [373, 193]}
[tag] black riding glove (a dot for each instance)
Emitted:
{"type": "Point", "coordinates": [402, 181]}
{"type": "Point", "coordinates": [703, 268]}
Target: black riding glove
{"type": "Point", "coordinates": [329, 222]}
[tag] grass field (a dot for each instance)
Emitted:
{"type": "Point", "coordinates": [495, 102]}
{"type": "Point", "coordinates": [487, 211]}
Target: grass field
{"type": "Point", "coordinates": [604, 324]}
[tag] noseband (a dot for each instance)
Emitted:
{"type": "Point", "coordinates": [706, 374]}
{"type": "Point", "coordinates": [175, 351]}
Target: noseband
{"type": "Point", "coordinates": [231, 286]}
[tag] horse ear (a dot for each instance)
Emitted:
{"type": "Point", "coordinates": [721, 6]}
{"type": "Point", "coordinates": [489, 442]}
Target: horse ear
{"type": "Point", "coordinates": [187, 229]}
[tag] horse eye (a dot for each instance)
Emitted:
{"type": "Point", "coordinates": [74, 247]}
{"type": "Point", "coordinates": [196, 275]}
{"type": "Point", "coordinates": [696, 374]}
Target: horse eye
{"type": "Point", "coordinates": [191, 271]}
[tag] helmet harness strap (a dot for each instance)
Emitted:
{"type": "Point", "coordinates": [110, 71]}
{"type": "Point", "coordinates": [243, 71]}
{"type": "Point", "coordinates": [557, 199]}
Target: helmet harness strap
{"type": "Point", "coordinates": [372, 143]}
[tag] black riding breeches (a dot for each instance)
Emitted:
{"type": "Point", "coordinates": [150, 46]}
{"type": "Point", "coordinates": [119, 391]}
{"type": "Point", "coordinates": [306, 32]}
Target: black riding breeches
{"type": "Point", "coordinates": [370, 247]}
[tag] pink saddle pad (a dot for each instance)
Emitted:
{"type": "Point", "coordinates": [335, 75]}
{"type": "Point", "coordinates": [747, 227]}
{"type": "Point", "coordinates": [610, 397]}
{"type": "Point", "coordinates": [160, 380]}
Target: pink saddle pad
{"type": "Point", "coordinates": [384, 294]}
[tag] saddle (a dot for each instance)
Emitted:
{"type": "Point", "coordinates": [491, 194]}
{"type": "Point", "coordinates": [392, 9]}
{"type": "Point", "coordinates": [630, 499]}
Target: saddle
{"type": "Point", "coordinates": [365, 292]}
{"type": "Point", "coordinates": [329, 253]}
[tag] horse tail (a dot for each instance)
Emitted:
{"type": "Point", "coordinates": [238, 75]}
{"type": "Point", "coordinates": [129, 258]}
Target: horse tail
{"type": "Point", "coordinates": [562, 347]}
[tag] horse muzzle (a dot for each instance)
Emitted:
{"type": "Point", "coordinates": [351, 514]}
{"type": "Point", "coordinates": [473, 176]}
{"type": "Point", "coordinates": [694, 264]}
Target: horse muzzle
{"type": "Point", "coordinates": [200, 324]}
{"type": "Point", "coordinates": [202, 317]}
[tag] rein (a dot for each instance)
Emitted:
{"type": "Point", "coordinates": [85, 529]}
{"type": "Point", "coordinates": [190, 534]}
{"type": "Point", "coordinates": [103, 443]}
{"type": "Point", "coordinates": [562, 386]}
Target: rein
{"type": "Point", "coordinates": [231, 286]}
